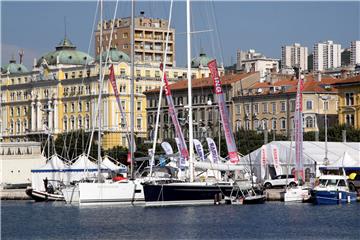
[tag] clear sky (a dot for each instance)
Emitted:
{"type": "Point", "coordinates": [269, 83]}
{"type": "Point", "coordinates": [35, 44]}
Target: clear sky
{"type": "Point", "coordinates": [37, 27]}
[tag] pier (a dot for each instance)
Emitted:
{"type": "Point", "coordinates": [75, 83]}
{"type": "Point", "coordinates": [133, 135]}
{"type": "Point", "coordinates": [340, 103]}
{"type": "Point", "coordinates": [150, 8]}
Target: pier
{"type": "Point", "coordinates": [13, 194]}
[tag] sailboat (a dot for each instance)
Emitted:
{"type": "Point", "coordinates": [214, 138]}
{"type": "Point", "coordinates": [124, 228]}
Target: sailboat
{"type": "Point", "coordinates": [159, 193]}
{"type": "Point", "coordinates": [299, 193]}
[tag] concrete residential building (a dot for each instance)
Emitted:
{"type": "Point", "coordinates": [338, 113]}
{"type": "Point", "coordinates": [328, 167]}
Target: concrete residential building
{"type": "Point", "coordinates": [355, 52]}
{"type": "Point", "coordinates": [206, 116]}
{"type": "Point", "coordinates": [271, 105]}
{"type": "Point", "coordinates": [150, 38]}
{"type": "Point", "coordinates": [252, 61]}
{"type": "Point", "coordinates": [327, 55]}
{"type": "Point", "coordinates": [294, 55]}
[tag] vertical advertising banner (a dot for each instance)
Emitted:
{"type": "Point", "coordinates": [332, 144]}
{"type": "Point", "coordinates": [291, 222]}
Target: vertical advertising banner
{"type": "Point", "coordinates": [199, 149]}
{"type": "Point", "coordinates": [179, 134]}
{"type": "Point", "coordinates": [214, 156]}
{"type": "Point", "coordinates": [229, 136]}
{"type": "Point", "coordinates": [276, 160]}
{"type": "Point", "coordinates": [264, 161]}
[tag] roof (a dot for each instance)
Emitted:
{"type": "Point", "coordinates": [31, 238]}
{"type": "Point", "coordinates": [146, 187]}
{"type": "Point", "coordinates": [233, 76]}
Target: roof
{"type": "Point", "coordinates": [201, 60]}
{"type": "Point", "coordinates": [65, 53]}
{"type": "Point", "coordinates": [310, 85]}
{"type": "Point", "coordinates": [13, 67]}
{"type": "Point", "coordinates": [114, 56]}
{"type": "Point", "coordinates": [351, 80]}
{"type": "Point", "coordinates": [204, 82]}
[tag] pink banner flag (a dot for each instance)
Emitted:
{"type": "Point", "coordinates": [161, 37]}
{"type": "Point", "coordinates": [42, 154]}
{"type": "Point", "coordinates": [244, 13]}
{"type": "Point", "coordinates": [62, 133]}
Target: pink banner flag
{"type": "Point", "coordinates": [276, 160]}
{"type": "Point", "coordinates": [179, 134]}
{"type": "Point", "coordinates": [112, 80]}
{"type": "Point", "coordinates": [298, 119]}
{"type": "Point", "coordinates": [229, 136]}
{"type": "Point", "coordinates": [264, 161]}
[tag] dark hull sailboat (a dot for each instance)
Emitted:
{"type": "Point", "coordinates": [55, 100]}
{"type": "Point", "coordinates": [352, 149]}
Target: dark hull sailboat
{"type": "Point", "coordinates": [180, 193]}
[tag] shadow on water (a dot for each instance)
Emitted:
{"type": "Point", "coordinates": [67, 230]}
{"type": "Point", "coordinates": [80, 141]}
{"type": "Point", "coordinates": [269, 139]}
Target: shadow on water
{"type": "Point", "coordinates": [274, 220]}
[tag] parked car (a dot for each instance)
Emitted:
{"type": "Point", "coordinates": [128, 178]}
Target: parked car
{"type": "Point", "coordinates": [280, 181]}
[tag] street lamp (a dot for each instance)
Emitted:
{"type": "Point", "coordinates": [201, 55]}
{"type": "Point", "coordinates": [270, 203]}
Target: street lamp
{"type": "Point", "coordinates": [326, 98]}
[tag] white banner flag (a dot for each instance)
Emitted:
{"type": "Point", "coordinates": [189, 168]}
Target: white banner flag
{"type": "Point", "coordinates": [199, 149]}
{"type": "Point", "coordinates": [214, 156]}
{"type": "Point", "coordinates": [181, 158]}
{"type": "Point", "coordinates": [167, 148]}
{"type": "Point", "coordinates": [263, 161]}
{"type": "Point", "coordinates": [276, 161]}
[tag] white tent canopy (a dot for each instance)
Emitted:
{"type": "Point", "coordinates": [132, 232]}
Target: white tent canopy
{"type": "Point", "coordinates": [107, 164]}
{"type": "Point", "coordinates": [314, 152]}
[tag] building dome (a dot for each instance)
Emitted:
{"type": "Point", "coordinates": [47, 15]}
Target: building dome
{"type": "Point", "coordinates": [66, 53]}
{"type": "Point", "coordinates": [114, 56]}
{"type": "Point", "coordinates": [12, 67]}
{"type": "Point", "coordinates": [201, 60]}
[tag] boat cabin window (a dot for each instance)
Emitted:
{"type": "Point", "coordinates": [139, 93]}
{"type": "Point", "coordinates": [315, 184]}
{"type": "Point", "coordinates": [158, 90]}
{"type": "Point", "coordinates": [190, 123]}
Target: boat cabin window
{"type": "Point", "coordinates": [332, 182]}
{"type": "Point", "coordinates": [322, 182]}
{"type": "Point", "coordinates": [341, 183]}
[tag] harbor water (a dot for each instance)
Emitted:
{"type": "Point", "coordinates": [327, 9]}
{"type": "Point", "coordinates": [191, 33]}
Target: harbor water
{"type": "Point", "coordinates": [272, 220]}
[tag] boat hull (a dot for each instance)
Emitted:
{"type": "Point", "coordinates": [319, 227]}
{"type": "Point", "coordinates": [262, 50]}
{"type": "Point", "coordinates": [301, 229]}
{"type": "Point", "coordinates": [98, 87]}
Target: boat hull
{"type": "Point", "coordinates": [71, 194]}
{"type": "Point", "coordinates": [333, 197]}
{"type": "Point", "coordinates": [297, 194]}
{"type": "Point", "coordinates": [41, 196]}
{"type": "Point", "coordinates": [129, 192]}
{"type": "Point", "coordinates": [184, 194]}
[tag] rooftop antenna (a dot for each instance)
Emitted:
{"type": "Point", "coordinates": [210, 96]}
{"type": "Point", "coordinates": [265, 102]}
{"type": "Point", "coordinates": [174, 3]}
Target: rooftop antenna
{"type": "Point", "coordinates": [21, 55]}
{"type": "Point", "coordinates": [65, 26]}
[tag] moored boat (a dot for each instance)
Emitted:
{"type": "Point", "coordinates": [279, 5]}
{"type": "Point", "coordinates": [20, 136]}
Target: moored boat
{"type": "Point", "coordinates": [333, 189]}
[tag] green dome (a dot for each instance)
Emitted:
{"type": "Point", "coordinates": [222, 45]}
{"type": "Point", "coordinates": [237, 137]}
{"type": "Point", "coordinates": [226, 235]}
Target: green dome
{"type": "Point", "coordinates": [67, 54]}
{"type": "Point", "coordinates": [14, 67]}
{"type": "Point", "coordinates": [202, 60]}
{"type": "Point", "coordinates": [114, 56]}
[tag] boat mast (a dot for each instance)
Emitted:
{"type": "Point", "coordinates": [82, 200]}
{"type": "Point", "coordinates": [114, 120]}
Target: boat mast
{"type": "Point", "coordinates": [188, 42]}
{"type": "Point", "coordinates": [100, 89]}
{"type": "Point", "coordinates": [132, 90]}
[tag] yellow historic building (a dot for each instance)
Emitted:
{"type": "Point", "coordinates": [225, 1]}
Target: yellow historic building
{"type": "Point", "coordinates": [60, 94]}
{"type": "Point", "coordinates": [349, 101]}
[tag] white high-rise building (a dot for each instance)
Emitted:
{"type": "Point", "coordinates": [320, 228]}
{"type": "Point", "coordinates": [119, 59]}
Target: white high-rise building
{"type": "Point", "coordinates": [294, 55]}
{"type": "Point", "coordinates": [355, 52]}
{"type": "Point", "coordinates": [327, 55]}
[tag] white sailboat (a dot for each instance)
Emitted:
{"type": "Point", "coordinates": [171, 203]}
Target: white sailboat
{"type": "Point", "coordinates": [299, 193]}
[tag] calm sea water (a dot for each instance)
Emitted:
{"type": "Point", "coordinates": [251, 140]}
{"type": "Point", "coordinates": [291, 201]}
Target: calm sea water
{"type": "Point", "coordinates": [275, 220]}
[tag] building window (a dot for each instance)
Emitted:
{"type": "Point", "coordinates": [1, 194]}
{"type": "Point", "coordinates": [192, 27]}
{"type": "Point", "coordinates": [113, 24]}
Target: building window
{"type": "Point", "coordinates": [247, 109]}
{"type": "Point", "coordinates": [138, 107]}
{"type": "Point", "coordinates": [309, 105]}
{"type": "Point", "coordinates": [18, 111]}
{"type": "Point", "coordinates": [147, 73]}
{"type": "Point", "coordinates": [292, 105]}
{"type": "Point", "coordinates": [273, 107]}
{"type": "Point", "coordinates": [309, 122]}
{"type": "Point", "coordinates": [11, 112]}
{"type": "Point", "coordinates": [65, 107]}
{"type": "Point", "coordinates": [273, 124]}
{"type": "Point", "coordinates": [123, 122]}
{"type": "Point", "coordinates": [72, 107]}
{"type": "Point", "coordinates": [264, 124]}
{"type": "Point", "coordinates": [125, 35]}
{"type": "Point", "coordinates": [138, 123]}
{"type": "Point", "coordinates": [238, 109]}
{"type": "Point", "coordinates": [65, 123]}
{"type": "Point", "coordinates": [256, 108]}
{"type": "Point", "coordinates": [265, 108]}
{"type": "Point", "coordinates": [87, 106]}
{"type": "Point", "coordinates": [138, 73]}
{"type": "Point", "coordinates": [157, 74]}
{"type": "Point", "coordinates": [80, 106]}
{"type": "Point", "coordinates": [283, 123]}
{"type": "Point", "coordinates": [87, 122]}
{"type": "Point", "coordinates": [25, 110]}
{"type": "Point", "coordinates": [256, 124]}
{"type": "Point", "coordinates": [122, 72]}
{"type": "Point", "coordinates": [326, 105]}
{"type": "Point", "coordinates": [123, 104]}
{"type": "Point", "coordinates": [349, 99]}
{"type": "Point", "coordinates": [180, 101]}
{"type": "Point", "coordinates": [283, 106]}
{"type": "Point", "coordinates": [349, 119]}
{"type": "Point", "coordinates": [80, 123]}
{"type": "Point", "coordinates": [247, 124]}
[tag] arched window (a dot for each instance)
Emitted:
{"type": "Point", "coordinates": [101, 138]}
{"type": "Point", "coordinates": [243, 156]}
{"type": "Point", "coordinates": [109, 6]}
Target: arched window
{"type": "Point", "coordinates": [264, 124]}
{"type": "Point", "coordinates": [309, 122]}
{"type": "Point", "coordinates": [72, 122]}
{"type": "Point", "coordinates": [87, 122]}
{"type": "Point", "coordinates": [65, 123]}
{"type": "Point", "coordinates": [80, 122]}
{"type": "Point", "coordinates": [273, 124]}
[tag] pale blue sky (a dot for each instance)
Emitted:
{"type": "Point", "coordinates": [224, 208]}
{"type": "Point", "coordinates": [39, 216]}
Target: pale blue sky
{"type": "Point", "coordinates": [265, 26]}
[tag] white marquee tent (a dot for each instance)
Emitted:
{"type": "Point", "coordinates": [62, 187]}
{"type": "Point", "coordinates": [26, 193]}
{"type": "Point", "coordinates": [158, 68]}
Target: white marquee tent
{"type": "Point", "coordinates": [345, 154]}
